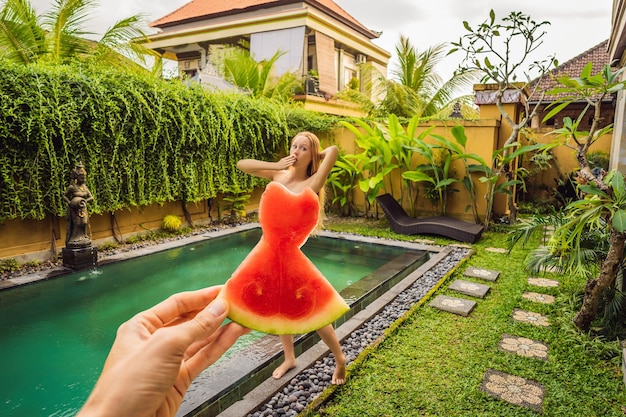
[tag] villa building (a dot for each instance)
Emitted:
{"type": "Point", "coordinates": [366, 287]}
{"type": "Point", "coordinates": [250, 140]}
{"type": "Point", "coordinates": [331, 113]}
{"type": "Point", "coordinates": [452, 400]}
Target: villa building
{"type": "Point", "coordinates": [599, 57]}
{"type": "Point", "coordinates": [321, 42]}
{"type": "Point", "coordinates": [617, 53]}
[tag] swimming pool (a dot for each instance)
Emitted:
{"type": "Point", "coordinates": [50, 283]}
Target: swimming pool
{"type": "Point", "coordinates": [56, 333]}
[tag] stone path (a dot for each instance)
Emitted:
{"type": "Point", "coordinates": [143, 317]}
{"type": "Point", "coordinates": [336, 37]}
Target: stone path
{"type": "Point", "coordinates": [514, 389]}
{"type": "Point", "coordinates": [510, 388]}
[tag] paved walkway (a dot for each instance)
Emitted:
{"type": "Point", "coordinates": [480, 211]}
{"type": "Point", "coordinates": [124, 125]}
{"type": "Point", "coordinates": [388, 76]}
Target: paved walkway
{"type": "Point", "coordinates": [511, 388]}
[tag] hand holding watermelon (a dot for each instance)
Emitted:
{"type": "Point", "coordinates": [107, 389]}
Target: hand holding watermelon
{"type": "Point", "coordinates": [157, 353]}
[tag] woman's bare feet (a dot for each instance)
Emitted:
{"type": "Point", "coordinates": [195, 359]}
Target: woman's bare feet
{"type": "Point", "coordinates": [283, 369]}
{"type": "Point", "coordinates": [339, 376]}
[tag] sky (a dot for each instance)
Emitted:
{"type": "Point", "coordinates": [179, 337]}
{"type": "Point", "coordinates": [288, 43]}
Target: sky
{"type": "Point", "coordinates": [575, 25]}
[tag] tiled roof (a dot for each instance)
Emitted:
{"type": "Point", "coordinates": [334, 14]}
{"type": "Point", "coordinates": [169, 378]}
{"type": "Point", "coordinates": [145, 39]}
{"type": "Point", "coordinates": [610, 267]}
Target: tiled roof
{"type": "Point", "coordinates": [203, 9]}
{"type": "Point", "coordinates": [598, 55]}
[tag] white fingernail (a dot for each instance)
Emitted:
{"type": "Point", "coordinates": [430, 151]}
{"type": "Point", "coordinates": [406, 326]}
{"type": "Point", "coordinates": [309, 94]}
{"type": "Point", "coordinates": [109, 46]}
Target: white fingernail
{"type": "Point", "coordinates": [217, 307]}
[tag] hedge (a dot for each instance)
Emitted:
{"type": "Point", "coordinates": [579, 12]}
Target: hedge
{"type": "Point", "coordinates": [142, 140]}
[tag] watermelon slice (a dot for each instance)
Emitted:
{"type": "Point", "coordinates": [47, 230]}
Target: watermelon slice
{"type": "Point", "coordinates": [277, 289]}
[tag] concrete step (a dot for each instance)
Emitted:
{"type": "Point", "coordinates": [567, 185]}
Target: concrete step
{"type": "Point", "coordinates": [470, 288]}
{"type": "Point", "coordinates": [460, 306]}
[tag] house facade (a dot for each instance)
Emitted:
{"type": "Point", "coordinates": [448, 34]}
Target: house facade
{"type": "Point", "coordinates": [320, 41]}
{"type": "Point", "coordinates": [617, 54]}
{"type": "Point", "coordinates": [599, 57]}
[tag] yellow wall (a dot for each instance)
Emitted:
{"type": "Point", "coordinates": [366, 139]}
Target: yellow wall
{"type": "Point", "coordinates": [564, 161]}
{"type": "Point", "coordinates": [26, 240]}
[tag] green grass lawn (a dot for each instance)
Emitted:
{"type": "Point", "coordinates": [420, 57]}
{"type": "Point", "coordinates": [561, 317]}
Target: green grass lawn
{"type": "Point", "coordinates": [433, 363]}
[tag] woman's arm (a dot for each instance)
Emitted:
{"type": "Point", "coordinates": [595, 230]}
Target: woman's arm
{"type": "Point", "coordinates": [265, 169]}
{"type": "Point", "coordinates": [329, 157]}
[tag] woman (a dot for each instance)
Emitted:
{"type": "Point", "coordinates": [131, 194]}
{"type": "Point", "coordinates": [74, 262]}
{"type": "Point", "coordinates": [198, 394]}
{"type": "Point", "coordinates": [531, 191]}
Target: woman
{"type": "Point", "coordinates": [305, 167]}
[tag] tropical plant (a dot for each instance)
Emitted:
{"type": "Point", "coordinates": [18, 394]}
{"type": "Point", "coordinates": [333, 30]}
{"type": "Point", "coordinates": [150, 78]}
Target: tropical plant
{"type": "Point", "coordinates": [171, 223]}
{"type": "Point", "coordinates": [58, 37]}
{"type": "Point", "coordinates": [492, 48]}
{"type": "Point", "coordinates": [414, 87]}
{"type": "Point", "coordinates": [459, 152]}
{"type": "Point", "coordinates": [256, 77]}
{"type": "Point", "coordinates": [435, 172]}
{"type": "Point", "coordinates": [374, 163]}
{"type": "Point", "coordinates": [603, 208]}
{"type": "Point", "coordinates": [235, 200]}
{"type": "Point", "coordinates": [343, 180]}
{"type": "Point", "coordinates": [386, 147]}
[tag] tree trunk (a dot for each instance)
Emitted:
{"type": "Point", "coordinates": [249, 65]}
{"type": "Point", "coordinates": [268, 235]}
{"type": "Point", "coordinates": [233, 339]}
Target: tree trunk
{"type": "Point", "coordinates": [508, 174]}
{"type": "Point", "coordinates": [595, 287]}
{"type": "Point", "coordinates": [187, 214]}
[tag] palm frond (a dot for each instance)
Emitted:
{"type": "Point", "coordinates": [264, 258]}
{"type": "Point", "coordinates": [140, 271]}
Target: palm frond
{"type": "Point", "coordinates": [127, 37]}
{"type": "Point", "coordinates": [22, 39]}
{"type": "Point", "coordinates": [65, 23]}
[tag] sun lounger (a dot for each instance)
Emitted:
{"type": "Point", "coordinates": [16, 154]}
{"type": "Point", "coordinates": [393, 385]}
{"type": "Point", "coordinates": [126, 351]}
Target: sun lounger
{"type": "Point", "coordinates": [449, 227]}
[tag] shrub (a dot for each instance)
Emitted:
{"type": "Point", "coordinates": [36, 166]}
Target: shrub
{"type": "Point", "coordinates": [9, 265]}
{"type": "Point", "coordinates": [171, 223]}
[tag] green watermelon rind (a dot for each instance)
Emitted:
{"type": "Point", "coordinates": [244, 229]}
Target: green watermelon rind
{"type": "Point", "coordinates": [325, 313]}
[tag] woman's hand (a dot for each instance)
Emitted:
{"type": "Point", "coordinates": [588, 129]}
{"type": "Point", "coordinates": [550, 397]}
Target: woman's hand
{"type": "Point", "coordinates": [285, 162]}
{"type": "Point", "coordinates": [157, 354]}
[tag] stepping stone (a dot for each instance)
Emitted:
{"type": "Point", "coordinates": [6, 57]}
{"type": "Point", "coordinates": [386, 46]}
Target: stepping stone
{"type": "Point", "coordinates": [486, 274]}
{"type": "Point", "coordinates": [543, 282]}
{"type": "Point", "coordinates": [523, 346]}
{"type": "Point", "coordinates": [460, 245]}
{"type": "Point", "coordinates": [513, 389]}
{"type": "Point", "coordinates": [496, 250]}
{"type": "Point", "coordinates": [530, 317]}
{"type": "Point", "coordinates": [470, 288]}
{"type": "Point", "coordinates": [538, 297]}
{"type": "Point", "coordinates": [459, 306]}
{"type": "Point", "coordinates": [425, 241]}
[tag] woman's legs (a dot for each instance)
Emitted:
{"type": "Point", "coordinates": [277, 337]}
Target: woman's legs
{"type": "Point", "coordinates": [290, 356]}
{"type": "Point", "coordinates": [328, 335]}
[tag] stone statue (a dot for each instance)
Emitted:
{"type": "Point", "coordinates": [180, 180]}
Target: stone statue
{"type": "Point", "coordinates": [76, 197]}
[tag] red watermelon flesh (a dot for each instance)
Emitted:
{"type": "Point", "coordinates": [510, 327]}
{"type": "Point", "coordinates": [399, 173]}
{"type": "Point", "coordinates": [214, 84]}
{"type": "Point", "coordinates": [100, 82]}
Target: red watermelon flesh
{"type": "Point", "coordinates": [277, 289]}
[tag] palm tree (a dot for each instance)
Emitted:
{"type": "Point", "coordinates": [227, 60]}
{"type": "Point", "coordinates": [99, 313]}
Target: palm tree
{"type": "Point", "coordinates": [58, 37]}
{"type": "Point", "coordinates": [241, 69]}
{"type": "Point", "coordinates": [416, 89]}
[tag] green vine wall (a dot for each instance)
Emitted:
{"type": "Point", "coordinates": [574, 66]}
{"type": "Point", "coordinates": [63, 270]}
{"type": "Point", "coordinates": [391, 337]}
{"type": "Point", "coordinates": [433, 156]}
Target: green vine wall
{"type": "Point", "coordinates": [142, 140]}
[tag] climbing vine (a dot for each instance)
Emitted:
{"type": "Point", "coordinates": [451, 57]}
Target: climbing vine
{"type": "Point", "coordinates": [142, 140]}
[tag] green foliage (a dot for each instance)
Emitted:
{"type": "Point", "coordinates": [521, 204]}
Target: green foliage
{"type": "Point", "coordinates": [598, 159]}
{"type": "Point", "coordinates": [59, 36]}
{"type": "Point", "coordinates": [376, 161]}
{"type": "Point", "coordinates": [235, 203]}
{"type": "Point", "coordinates": [171, 223]}
{"type": "Point", "coordinates": [257, 78]}
{"type": "Point", "coordinates": [9, 265]}
{"type": "Point", "coordinates": [343, 181]}
{"type": "Point", "coordinates": [415, 88]}
{"type": "Point", "coordinates": [142, 140]}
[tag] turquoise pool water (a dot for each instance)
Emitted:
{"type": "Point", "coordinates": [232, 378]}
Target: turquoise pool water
{"type": "Point", "coordinates": [57, 333]}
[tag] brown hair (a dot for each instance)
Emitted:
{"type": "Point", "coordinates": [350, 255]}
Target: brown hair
{"type": "Point", "coordinates": [314, 165]}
